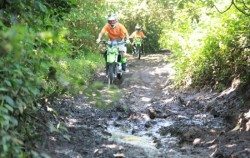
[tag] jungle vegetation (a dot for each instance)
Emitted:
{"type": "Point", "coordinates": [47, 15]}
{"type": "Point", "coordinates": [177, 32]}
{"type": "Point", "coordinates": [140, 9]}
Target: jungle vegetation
{"type": "Point", "coordinates": [48, 49]}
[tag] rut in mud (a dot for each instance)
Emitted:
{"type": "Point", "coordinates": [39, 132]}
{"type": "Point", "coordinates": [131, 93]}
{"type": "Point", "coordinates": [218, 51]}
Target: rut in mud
{"type": "Point", "coordinates": [153, 120]}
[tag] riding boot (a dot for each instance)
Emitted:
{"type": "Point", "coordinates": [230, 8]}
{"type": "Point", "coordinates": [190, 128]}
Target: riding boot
{"type": "Point", "coordinates": [124, 66]}
{"type": "Point", "coordinates": [106, 64]}
{"type": "Point", "coordinates": [124, 63]}
{"type": "Point", "coordinates": [106, 68]}
{"type": "Point", "coordinates": [134, 49]}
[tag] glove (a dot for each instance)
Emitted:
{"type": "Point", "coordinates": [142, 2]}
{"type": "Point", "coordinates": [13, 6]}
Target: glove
{"type": "Point", "coordinates": [98, 41]}
{"type": "Point", "coordinates": [127, 41]}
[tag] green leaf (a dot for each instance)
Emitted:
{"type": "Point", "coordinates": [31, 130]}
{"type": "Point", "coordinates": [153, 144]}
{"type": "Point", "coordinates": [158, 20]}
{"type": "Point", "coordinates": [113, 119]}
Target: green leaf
{"type": "Point", "coordinates": [34, 91]}
{"type": "Point", "coordinates": [14, 121]}
{"type": "Point", "coordinates": [42, 7]}
{"type": "Point", "coordinates": [17, 82]}
{"type": "Point", "coordinates": [20, 108]}
{"type": "Point", "coordinates": [44, 155]}
{"type": "Point", "coordinates": [8, 107]}
{"type": "Point", "coordinates": [10, 101]}
{"type": "Point", "coordinates": [3, 89]}
{"type": "Point", "coordinates": [20, 105]}
{"type": "Point", "coordinates": [8, 83]}
{"type": "Point", "coordinates": [67, 137]}
{"type": "Point", "coordinates": [73, 1]}
{"type": "Point", "coordinates": [3, 110]}
{"type": "Point", "coordinates": [6, 118]}
{"type": "Point", "coordinates": [52, 128]}
{"type": "Point", "coordinates": [16, 140]}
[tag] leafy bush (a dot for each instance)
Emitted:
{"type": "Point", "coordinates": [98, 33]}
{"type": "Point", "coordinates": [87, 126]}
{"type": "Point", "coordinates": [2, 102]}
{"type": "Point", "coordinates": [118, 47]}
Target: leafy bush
{"type": "Point", "coordinates": [211, 48]}
{"type": "Point", "coordinates": [19, 88]}
{"type": "Point", "coordinates": [40, 59]}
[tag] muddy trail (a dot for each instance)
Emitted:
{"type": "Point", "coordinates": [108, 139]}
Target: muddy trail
{"type": "Point", "coordinates": [153, 120]}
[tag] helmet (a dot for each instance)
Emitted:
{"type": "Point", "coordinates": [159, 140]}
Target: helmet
{"type": "Point", "coordinates": [112, 17]}
{"type": "Point", "coordinates": [112, 20]}
{"type": "Point", "coordinates": [137, 27]}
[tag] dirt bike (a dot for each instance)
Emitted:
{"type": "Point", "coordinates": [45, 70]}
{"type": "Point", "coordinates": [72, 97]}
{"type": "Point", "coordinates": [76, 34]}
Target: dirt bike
{"type": "Point", "coordinates": [114, 67]}
{"type": "Point", "coordinates": [138, 47]}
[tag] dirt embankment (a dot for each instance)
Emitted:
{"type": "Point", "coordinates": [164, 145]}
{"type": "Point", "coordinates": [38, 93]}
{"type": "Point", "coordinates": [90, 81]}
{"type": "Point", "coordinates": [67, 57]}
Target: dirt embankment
{"type": "Point", "coordinates": [152, 119]}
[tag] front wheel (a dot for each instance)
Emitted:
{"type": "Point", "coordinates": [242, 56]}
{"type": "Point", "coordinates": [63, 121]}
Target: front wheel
{"type": "Point", "coordinates": [111, 76]}
{"type": "Point", "coordinates": [119, 76]}
{"type": "Point", "coordinates": [138, 51]}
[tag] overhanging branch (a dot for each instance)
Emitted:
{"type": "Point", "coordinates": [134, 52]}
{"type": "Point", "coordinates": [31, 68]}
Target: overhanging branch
{"type": "Point", "coordinates": [242, 11]}
{"type": "Point", "coordinates": [232, 2]}
{"type": "Point", "coordinates": [238, 8]}
{"type": "Point", "coordinates": [245, 5]}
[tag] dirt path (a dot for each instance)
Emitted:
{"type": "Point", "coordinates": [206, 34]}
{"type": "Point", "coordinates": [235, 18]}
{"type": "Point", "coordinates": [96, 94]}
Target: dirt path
{"type": "Point", "coordinates": [152, 120]}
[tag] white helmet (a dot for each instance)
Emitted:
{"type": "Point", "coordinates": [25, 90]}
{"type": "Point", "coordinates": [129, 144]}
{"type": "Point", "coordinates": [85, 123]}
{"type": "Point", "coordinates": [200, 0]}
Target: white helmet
{"type": "Point", "coordinates": [112, 20]}
{"type": "Point", "coordinates": [137, 27]}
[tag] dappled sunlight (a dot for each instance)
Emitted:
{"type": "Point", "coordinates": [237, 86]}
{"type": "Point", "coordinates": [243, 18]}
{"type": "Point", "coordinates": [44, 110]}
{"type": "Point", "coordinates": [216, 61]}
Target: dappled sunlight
{"type": "Point", "coordinates": [63, 64]}
{"type": "Point", "coordinates": [169, 100]}
{"type": "Point", "coordinates": [182, 117]}
{"type": "Point", "coordinates": [200, 116]}
{"type": "Point", "coordinates": [140, 87]}
{"type": "Point", "coordinates": [140, 141]}
{"type": "Point", "coordinates": [230, 145]}
{"type": "Point", "coordinates": [111, 146]}
{"type": "Point", "coordinates": [65, 151]}
{"type": "Point", "coordinates": [52, 138]}
{"type": "Point", "coordinates": [146, 99]}
{"type": "Point", "coordinates": [235, 84]}
{"type": "Point", "coordinates": [72, 122]}
{"type": "Point", "coordinates": [197, 141]}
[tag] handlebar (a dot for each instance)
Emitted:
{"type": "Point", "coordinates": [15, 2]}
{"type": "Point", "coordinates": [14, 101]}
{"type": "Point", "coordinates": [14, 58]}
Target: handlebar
{"type": "Point", "coordinates": [113, 43]}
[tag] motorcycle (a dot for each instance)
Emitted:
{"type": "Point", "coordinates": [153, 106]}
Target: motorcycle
{"type": "Point", "coordinates": [138, 47]}
{"type": "Point", "coordinates": [114, 66]}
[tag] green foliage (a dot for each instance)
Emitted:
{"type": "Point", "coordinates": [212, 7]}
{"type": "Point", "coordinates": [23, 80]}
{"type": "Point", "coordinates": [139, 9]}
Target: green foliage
{"type": "Point", "coordinates": [19, 88]}
{"type": "Point", "coordinates": [211, 48]}
{"type": "Point", "coordinates": [225, 53]}
{"type": "Point", "coordinates": [84, 23]}
{"type": "Point", "coordinates": [45, 52]}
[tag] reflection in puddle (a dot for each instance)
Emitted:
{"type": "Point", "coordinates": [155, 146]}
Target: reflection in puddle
{"type": "Point", "coordinates": [150, 135]}
{"type": "Point", "coordinates": [145, 99]}
{"type": "Point", "coordinates": [140, 141]}
{"type": "Point", "coordinates": [68, 152]}
{"type": "Point", "coordinates": [142, 137]}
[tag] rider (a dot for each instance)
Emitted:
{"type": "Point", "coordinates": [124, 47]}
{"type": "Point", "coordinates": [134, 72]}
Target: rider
{"type": "Point", "coordinates": [116, 32]}
{"type": "Point", "coordinates": [137, 33]}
